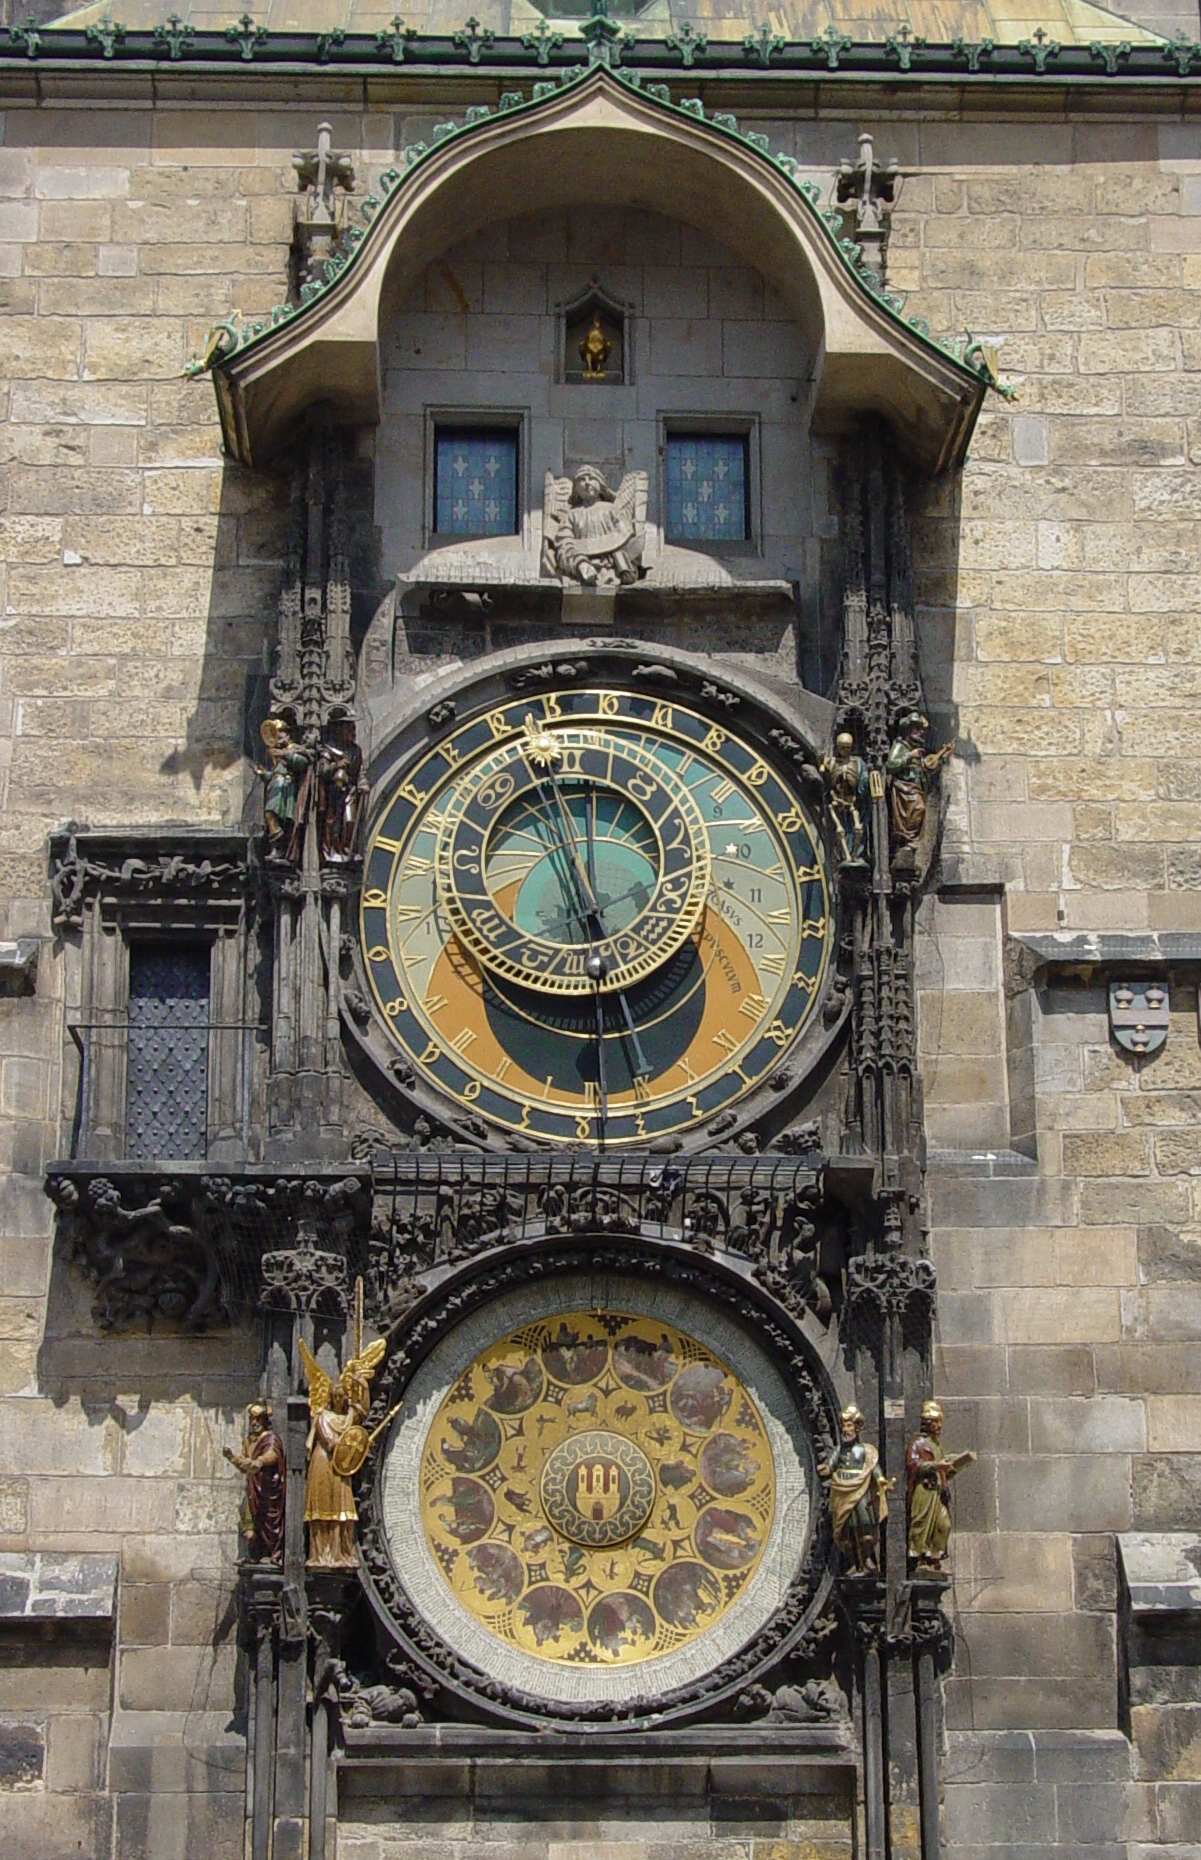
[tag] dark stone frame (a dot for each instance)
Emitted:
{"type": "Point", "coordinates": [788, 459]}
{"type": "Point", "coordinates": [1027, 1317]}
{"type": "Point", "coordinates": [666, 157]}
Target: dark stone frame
{"type": "Point", "coordinates": [784, 725]}
{"type": "Point", "coordinates": [466, 1690]}
{"type": "Point", "coordinates": [113, 886]}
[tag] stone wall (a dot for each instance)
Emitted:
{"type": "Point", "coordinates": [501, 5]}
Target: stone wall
{"type": "Point", "coordinates": [1060, 580]}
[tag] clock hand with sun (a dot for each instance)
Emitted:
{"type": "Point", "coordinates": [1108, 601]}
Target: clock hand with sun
{"type": "Point", "coordinates": [542, 752]}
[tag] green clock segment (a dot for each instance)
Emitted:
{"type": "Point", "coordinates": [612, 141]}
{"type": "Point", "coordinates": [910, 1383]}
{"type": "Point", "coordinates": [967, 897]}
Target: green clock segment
{"type": "Point", "coordinates": [599, 917]}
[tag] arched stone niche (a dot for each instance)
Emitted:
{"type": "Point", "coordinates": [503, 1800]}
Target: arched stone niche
{"type": "Point", "coordinates": [602, 143]}
{"type": "Point", "coordinates": [711, 348]}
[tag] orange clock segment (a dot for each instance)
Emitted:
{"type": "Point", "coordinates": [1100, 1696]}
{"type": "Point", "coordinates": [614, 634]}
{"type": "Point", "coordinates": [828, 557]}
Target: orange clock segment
{"type": "Point", "coordinates": [602, 921]}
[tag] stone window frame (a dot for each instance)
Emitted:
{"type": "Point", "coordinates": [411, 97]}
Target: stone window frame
{"type": "Point", "coordinates": [475, 414]}
{"type": "Point", "coordinates": [117, 888]}
{"type": "Point", "coordinates": [724, 426]}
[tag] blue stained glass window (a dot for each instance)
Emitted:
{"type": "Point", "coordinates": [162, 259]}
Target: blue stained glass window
{"type": "Point", "coordinates": [475, 481]}
{"type": "Point", "coordinates": [707, 487]}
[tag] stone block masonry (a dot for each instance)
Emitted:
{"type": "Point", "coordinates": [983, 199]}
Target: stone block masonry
{"type": "Point", "coordinates": [1059, 580]}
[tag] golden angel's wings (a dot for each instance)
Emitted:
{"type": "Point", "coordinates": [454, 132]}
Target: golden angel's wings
{"type": "Point", "coordinates": [320, 1386]}
{"type": "Point", "coordinates": [367, 1361]}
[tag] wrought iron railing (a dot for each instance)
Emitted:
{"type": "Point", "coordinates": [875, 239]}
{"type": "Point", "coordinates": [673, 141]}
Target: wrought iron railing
{"type": "Point", "coordinates": [180, 1090]}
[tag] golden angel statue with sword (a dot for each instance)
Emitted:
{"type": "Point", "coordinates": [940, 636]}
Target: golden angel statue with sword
{"type": "Point", "coordinates": [337, 1447]}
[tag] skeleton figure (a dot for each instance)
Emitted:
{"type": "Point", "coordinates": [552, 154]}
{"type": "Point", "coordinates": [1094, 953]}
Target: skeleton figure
{"type": "Point", "coordinates": [590, 534]}
{"type": "Point", "coordinates": [846, 779]}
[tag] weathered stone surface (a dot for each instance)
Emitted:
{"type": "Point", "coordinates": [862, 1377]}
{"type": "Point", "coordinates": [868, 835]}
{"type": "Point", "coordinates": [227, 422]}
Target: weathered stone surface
{"type": "Point", "coordinates": [1060, 586]}
{"type": "Point", "coordinates": [1162, 1571]}
{"type": "Point", "coordinates": [56, 1587]}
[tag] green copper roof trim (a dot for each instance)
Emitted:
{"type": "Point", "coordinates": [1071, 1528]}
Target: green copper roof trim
{"type": "Point", "coordinates": [233, 337]}
{"type": "Point", "coordinates": [247, 48]}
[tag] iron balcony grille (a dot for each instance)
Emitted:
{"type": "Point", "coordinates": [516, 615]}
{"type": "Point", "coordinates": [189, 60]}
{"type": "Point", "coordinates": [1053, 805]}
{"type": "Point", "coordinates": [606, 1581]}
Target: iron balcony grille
{"type": "Point", "coordinates": [170, 1063]}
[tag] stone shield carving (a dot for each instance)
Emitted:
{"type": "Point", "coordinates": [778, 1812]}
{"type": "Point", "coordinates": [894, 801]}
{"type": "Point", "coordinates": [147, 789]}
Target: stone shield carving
{"type": "Point", "coordinates": [1138, 1015]}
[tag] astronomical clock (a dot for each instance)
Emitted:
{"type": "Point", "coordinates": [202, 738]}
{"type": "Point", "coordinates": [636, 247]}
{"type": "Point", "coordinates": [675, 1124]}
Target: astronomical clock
{"type": "Point", "coordinates": [598, 938]}
{"type": "Point", "coordinates": [597, 908]}
{"type": "Point", "coordinates": [599, 1490]}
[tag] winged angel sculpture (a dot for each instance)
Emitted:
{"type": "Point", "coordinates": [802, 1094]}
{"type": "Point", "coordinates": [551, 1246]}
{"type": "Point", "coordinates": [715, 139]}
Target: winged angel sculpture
{"type": "Point", "coordinates": [337, 1446]}
{"type": "Point", "coordinates": [590, 534]}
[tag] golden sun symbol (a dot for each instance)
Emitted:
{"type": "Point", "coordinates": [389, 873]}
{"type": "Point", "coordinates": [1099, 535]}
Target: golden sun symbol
{"type": "Point", "coordinates": [539, 746]}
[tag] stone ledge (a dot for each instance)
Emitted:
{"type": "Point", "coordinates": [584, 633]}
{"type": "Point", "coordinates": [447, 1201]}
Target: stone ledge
{"type": "Point", "coordinates": [980, 1162]}
{"type": "Point", "coordinates": [1161, 1571]}
{"type": "Point", "coordinates": [471, 1763]}
{"type": "Point", "coordinates": [19, 966]}
{"type": "Point", "coordinates": [1117, 948]}
{"type": "Point", "coordinates": [43, 1586]}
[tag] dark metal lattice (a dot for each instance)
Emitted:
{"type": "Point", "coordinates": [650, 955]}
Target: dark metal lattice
{"type": "Point", "coordinates": [166, 1100]}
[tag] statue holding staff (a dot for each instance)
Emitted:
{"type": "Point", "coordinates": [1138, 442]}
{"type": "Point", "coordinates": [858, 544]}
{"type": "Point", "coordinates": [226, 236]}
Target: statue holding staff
{"type": "Point", "coordinates": [858, 1494]}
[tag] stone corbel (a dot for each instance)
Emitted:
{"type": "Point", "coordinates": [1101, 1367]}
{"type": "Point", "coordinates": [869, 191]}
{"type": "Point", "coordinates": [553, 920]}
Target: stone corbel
{"type": "Point", "coordinates": [187, 1247]}
{"type": "Point", "coordinates": [19, 966]}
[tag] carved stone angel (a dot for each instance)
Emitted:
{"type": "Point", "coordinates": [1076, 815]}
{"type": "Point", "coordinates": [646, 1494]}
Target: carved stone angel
{"type": "Point", "coordinates": [337, 1446]}
{"type": "Point", "coordinates": [590, 534]}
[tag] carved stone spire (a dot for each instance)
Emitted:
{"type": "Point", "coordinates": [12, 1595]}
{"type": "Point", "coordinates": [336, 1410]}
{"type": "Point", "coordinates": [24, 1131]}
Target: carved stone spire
{"type": "Point", "coordinates": [866, 194]}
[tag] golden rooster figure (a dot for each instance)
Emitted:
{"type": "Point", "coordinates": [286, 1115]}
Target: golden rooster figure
{"type": "Point", "coordinates": [594, 350]}
{"type": "Point", "coordinates": [337, 1446]}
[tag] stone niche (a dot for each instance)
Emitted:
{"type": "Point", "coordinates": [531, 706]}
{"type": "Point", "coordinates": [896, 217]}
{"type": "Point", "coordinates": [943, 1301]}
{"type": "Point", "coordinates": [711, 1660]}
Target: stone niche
{"type": "Point", "coordinates": [710, 349]}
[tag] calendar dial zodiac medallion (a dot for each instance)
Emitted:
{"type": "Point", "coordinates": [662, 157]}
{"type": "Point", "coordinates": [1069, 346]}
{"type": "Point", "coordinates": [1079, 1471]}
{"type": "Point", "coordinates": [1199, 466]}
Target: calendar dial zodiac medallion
{"type": "Point", "coordinates": [597, 1489]}
{"type": "Point", "coordinates": [594, 915]}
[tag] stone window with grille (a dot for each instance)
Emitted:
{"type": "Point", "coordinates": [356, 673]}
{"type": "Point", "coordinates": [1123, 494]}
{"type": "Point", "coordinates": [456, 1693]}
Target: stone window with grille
{"type": "Point", "coordinates": [165, 1009]}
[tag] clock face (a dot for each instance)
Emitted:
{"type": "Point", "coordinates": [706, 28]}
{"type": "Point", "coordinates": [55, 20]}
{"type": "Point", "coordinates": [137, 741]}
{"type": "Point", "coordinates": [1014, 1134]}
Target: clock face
{"type": "Point", "coordinates": [595, 916]}
{"type": "Point", "coordinates": [597, 1489]}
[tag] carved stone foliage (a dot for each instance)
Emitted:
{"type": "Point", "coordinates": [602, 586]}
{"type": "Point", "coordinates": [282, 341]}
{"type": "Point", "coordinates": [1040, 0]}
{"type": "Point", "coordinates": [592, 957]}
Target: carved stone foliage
{"type": "Point", "coordinates": [305, 1277]}
{"type": "Point", "coordinates": [463, 1688]}
{"type": "Point", "coordinates": [190, 1249]}
{"type": "Point", "coordinates": [889, 1286]}
{"type": "Point", "coordinates": [865, 194]}
{"type": "Point", "coordinates": [434, 1209]}
{"type": "Point", "coordinates": [324, 176]}
{"type": "Point", "coordinates": [125, 868]}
